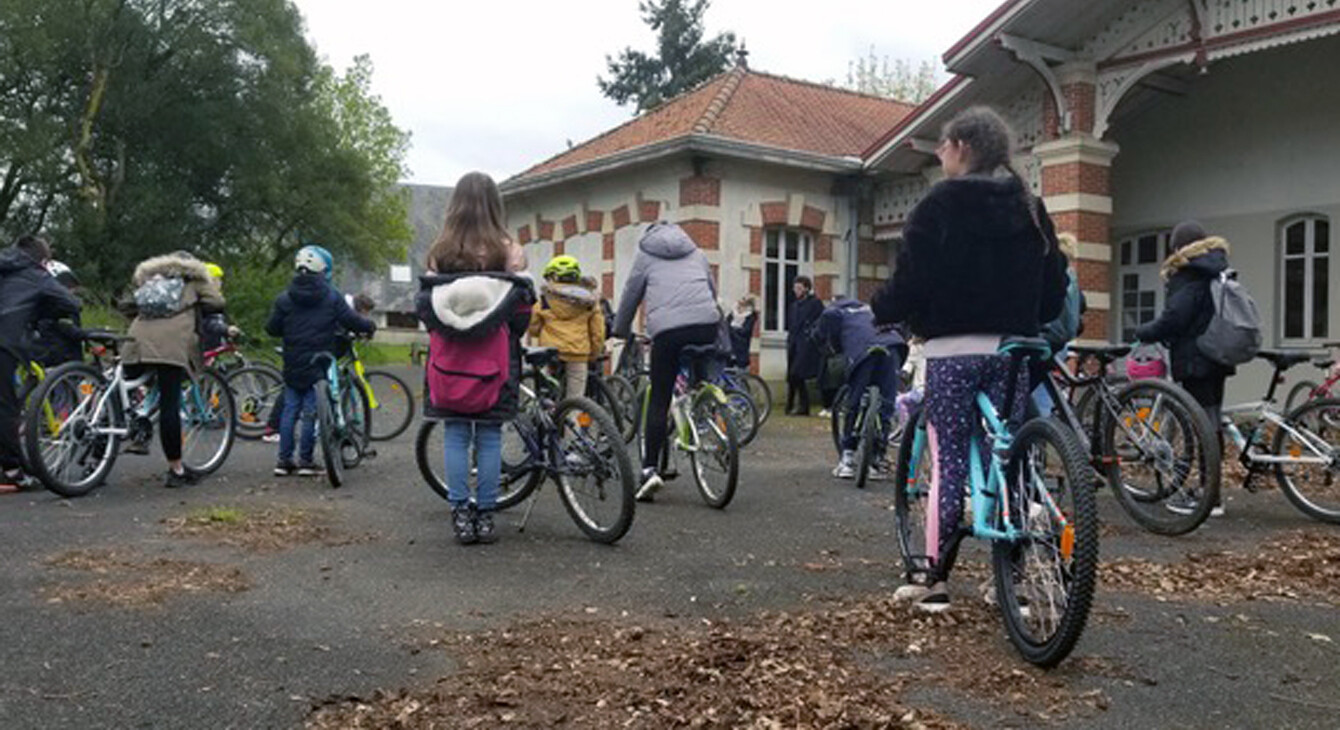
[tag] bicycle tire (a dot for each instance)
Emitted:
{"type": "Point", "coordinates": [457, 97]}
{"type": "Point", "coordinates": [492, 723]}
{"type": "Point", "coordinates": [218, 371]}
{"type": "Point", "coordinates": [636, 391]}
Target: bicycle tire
{"type": "Point", "coordinates": [745, 413]}
{"type": "Point", "coordinates": [762, 394]}
{"type": "Point", "coordinates": [1088, 401]}
{"type": "Point", "coordinates": [615, 461]}
{"type": "Point", "coordinates": [707, 411]}
{"type": "Point", "coordinates": [1190, 469]}
{"type": "Point", "coordinates": [623, 391]}
{"type": "Point", "coordinates": [219, 394]}
{"type": "Point", "coordinates": [599, 392]}
{"type": "Point", "coordinates": [331, 445]}
{"type": "Point", "coordinates": [53, 476]}
{"type": "Point", "coordinates": [837, 418]}
{"type": "Point", "coordinates": [1299, 394]}
{"type": "Point", "coordinates": [870, 433]}
{"type": "Point", "coordinates": [1291, 486]}
{"type": "Point", "coordinates": [911, 500]}
{"type": "Point", "coordinates": [1077, 571]}
{"type": "Point", "coordinates": [426, 446]}
{"type": "Point", "coordinates": [357, 423]}
{"type": "Point", "coordinates": [395, 405]}
{"type": "Point", "coordinates": [256, 388]}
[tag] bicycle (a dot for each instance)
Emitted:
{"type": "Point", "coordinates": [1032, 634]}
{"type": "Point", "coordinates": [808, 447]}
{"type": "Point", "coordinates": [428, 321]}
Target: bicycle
{"type": "Point", "coordinates": [606, 393]}
{"type": "Point", "coordinates": [570, 441]}
{"type": "Point", "coordinates": [1032, 499]}
{"type": "Point", "coordinates": [94, 410]}
{"type": "Point", "coordinates": [703, 428]}
{"type": "Point", "coordinates": [1307, 437]}
{"type": "Point", "coordinates": [1307, 390]}
{"type": "Point", "coordinates": [343, 417]}
{"type": "Point", "coordinates": [872, 412]}
{"type": "Point", "coordinates": [1149, 439]}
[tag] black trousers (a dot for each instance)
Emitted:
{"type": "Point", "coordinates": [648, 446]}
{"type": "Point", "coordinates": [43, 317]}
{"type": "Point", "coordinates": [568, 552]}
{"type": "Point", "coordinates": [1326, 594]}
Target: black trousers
{"type": "Point", "coordinates": [797, 393]}
{"type": "Point", "coordinates": [10, 413]}
{"type": "Point", "coordinates": [665, 351]}
{"type": "Point", "coordinates": [1209, 393]}
{"type": "Point", "coordinates": [170, 379]}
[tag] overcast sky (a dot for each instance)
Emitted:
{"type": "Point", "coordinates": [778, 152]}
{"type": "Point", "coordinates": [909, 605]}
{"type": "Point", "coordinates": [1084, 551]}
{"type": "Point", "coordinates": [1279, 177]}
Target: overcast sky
{"type": "Point", "coordinates": [499, 85]}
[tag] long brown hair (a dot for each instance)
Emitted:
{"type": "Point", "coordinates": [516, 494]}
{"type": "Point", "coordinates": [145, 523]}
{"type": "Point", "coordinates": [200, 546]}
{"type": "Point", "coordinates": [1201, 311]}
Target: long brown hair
{"type": "Point", "coordinates": [473, 236]}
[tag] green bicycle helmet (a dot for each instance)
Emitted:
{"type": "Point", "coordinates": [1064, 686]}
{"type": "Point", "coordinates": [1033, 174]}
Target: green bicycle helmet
{"type": "Point", "coordinates": [563, 268]}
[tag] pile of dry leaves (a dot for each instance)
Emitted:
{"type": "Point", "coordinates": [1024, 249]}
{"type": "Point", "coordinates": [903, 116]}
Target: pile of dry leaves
{"type": "Point", "coordinates": [127, 580]}
{"type": "Point", "coordinates": [267, 530]}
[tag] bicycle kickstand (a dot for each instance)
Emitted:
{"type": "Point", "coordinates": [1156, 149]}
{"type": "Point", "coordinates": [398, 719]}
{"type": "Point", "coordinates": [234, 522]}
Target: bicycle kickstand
{"type": "Point", "coordinates": [530, 507]}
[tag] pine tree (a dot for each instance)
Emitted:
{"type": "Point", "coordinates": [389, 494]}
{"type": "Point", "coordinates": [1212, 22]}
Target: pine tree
{"type": "Point", "coordinates": [683, 58]}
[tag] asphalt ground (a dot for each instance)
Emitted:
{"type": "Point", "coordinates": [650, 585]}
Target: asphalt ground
{"type": "Point", "coordinates": [347, 614]}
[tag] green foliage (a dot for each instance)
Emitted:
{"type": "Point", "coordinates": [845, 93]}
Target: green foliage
{"type": "Point", "coordinates": [377, 354]}
{"type": "Point", "coordinates": [136, 127]}
{"type": "Point", "coordinates": [683, 58]}
{"type": "Point", "coordinates": [250, 288]}
{"type": "Point", "coordinates": [872, 74]}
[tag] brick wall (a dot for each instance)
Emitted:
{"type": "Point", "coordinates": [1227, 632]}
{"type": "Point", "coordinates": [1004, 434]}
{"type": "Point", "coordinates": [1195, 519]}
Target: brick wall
{"type": "Point", "coordinates": [700, 190]}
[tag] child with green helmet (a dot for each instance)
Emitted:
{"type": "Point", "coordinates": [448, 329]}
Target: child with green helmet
{"type": "Point", "coordinates": [569, 318]}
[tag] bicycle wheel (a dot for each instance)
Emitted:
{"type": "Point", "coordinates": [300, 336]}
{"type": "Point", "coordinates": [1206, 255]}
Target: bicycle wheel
{"type": "Point", "coordinates": [331, 441]}
{"type": "Point", "coordinates": [595, 476]}
{"type": "Point", "coordinates": [1311, 432]}
{"type": "Point", "coordinates": [208, 422]}
{"type": "Point", "coordinates": [1299, 394]}
{"type": "Point", "coordinates": [761, 392]}
{"type": "Point", "coordinates": [357, 423]}
{"type": "Point", "coordinates": [520, 472]}
{"type": "Point", "coordinates": [837, 419]}
{"type": "Point", "coordinates": [871, 443]}
{"type": "Point", "coordinates": [395, 405]}
{"type": "Point", "coordinates": [1088, 403]}
{"type": "Point", "coordinates": [66, 432]}
{"type": "Point", "coordinates": [911, 500]}
{"type": "Point", "coordinates": [1161, 457]}
{"type": "Point", "coordinates": [745, 413]}
{"type": "Point", "coordinates": [1045, 577]}
{"type": "Point", "coordinates": [623, 391]}
{"type": "Point", "coordinates": [716, 462]}
{"type": "Point", "coordinates": [599, 392]}
{"type": "Point", "coordinates": [256, 389]}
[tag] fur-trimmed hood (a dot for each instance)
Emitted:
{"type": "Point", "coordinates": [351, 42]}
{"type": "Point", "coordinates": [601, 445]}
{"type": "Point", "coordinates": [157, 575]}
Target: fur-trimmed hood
{"type": "Point", "coordinates": [469, 303]}
{"type": "Point", "coordinates": [1208, 256]}
{"type": "Point", "coordinates": [578, 295]}
{"type": "Point", "coordinates": [171, 265]}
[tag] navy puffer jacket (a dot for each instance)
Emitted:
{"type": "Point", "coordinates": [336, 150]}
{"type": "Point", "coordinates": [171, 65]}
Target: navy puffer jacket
{"type": "Point", "coordinates": [308, 315]}
{"type": "Point", "coordinates": [27, 292]}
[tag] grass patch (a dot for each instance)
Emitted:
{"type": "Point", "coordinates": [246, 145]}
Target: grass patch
{"type": "Point", "coordinates": [130, 581]}
{"type": "Point", "coordinates": [378, 354]}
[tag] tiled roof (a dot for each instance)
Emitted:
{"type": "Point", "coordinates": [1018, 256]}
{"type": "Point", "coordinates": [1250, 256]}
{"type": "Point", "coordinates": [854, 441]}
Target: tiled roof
{"type": "Point", "coordinates": [752, 107]}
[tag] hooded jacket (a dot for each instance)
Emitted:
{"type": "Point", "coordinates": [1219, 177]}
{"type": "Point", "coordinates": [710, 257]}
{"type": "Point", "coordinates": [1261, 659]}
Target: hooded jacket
{"type": "Point", "coordinates": [308, 316]}
{"type": "Point", "coordinates": [674, 279]}
{"type": "Point", "coordinates": [173, 340]}
{"type": "Point", "coordinates": [569, 317]}
{"type": "Point", "coordinates": [471, 304]}
{"type": "Point", "coordinates": [974, 261]}
{"type": "Point", "coordinates": [848, 326]}
{"type": "Point", "coordinates": [1188, 307]}
{"type": "Point", "coordinates": [28, 293]}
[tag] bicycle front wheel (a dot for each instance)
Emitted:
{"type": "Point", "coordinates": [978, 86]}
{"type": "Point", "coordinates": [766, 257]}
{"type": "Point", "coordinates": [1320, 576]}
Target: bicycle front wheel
{"type": "Point", "coordinates": [1311, 433]}
{"type": "Point", "coordinates": [395, 405]}
{"type": "Point", "coordinates": [598, 390]}
{"type": "Point", "coordinates": [716, 461]}
{"type": "Point", "coordinates": [911, 501]}
{"type": "Point", "coordinates": [623, 391]}
{"type": "Point", "coordinates": [256, 389]}
{"type": "Point", "coordinates": [870, 447]}
{"type": "Point", "coordinates": [208, 422]}
{"type": "Point", "coordinates": [520, 472]}
{"type": "Point", "coordinates": [837, 419]}
{"type": "Point", "coordinates": [331, 441]}
{"type": "Point", "coordinates": [357, 422]}
{"type": "Point", "coordinates": [1045, 576]}
{"type": "Point", "coordinates": [594, 474]}
{"type": "Point", "coordinates": [66, 434]}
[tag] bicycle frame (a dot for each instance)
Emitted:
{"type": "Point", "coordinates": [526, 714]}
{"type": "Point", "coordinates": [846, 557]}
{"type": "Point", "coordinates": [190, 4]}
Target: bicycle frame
{"type": "Point", "coordinates": [1266, 413]}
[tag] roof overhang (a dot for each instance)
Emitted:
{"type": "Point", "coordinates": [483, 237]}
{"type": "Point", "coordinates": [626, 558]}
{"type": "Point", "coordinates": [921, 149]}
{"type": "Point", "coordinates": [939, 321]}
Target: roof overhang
{"type": "Point", "coordinates": [700, 144]}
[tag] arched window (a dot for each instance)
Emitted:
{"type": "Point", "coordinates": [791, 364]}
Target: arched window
{"type": "Point", "coordinates": [1305, 248]}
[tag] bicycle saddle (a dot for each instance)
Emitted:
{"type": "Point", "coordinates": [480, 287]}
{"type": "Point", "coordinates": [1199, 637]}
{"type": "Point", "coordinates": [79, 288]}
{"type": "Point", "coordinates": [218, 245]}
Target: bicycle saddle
{"type": "Point", "coordinates": [105, 337]}
{"type": "Point", "coordinates": [1105, 353]}
{"type": "Point", "coordinates": [541, 355]}
{"type": "Point", "coordinates": [693, 353]}
{"type": "Point", "coordinates": [1284, 359]}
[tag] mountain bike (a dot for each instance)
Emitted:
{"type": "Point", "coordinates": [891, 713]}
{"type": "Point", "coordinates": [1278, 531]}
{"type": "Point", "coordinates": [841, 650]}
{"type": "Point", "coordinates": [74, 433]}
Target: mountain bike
{"type": "Point", "coordinates": [606, 391]}
{"type": "Point", "coordinates": [1032, 497]}
{"type": "Point", "coordinates": [873, 411]}
{"type": "Point", "coordinates": [736, 378]}
{"type": "Point", "coordinates": [343, 417]}
{"type": "Point", "coordinates": [94, 410]}
{"type": "Point", "coordinates": [572, 442]}
{"type": "Point", "coordinates": [1304, 451]}
{"type": "Point", "coordinates": [1309, 390]}
{"type": "Point", "coordinates": [704, 428]}
{"type": "Point", "coordinates": [1148, 439]}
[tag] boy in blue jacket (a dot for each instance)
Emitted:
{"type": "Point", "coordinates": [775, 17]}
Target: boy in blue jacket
{"type": "Point", "coordinates": [308, 315]}
{"type": "Point", "coordinates": [874, 356]}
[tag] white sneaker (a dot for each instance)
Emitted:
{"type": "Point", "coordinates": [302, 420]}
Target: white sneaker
{"type": "Point", "coordinates": [910, 592]}
{"type": "Point", "coordinates": [651, 484]}
{"type": "Point", "coordinates": [880, 471]}
{"type": "Point", "coordinates": [846, 466]}
{"type": "Point", "coordinates": [825, 413]}
{"type": "Point", "coordinates": [271, 438]}
{"type": "Point", "coordinates": [935, 600]}
{"type": "Point", "coordinates": [1217, 510]}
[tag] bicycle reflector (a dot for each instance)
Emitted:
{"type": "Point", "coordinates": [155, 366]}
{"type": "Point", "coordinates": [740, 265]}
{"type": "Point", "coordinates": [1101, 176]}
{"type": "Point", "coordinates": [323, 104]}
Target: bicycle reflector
{"type": "Point", "coordinates": [584, 419]}
{"type": "Point", "coordinates": [1067, 541]}
{"type": "Point", "coordinates": [86, 389]}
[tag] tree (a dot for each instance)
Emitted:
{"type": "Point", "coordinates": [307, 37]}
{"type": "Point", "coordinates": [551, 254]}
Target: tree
{"type": "Point", "coordinates": [872, 74]}
{"type": "Point", "coordinates": [683, 59]}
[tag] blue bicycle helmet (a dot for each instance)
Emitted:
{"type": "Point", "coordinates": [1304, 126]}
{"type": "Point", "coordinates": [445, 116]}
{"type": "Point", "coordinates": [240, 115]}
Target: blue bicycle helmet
{"type": "Point", "coordinates": [315, 260]}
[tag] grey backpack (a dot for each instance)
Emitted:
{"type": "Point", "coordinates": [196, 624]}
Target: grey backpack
{"type": "Point", "coordinates": [160, 297]}
{"type": "Point", "coordinates": [1234, 333]}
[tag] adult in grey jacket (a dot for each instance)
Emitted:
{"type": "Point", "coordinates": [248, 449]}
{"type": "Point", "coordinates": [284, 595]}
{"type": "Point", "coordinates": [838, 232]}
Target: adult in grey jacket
{"type": "Point", "coordinates": [673, 278]}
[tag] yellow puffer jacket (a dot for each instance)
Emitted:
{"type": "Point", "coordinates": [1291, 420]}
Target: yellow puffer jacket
{"type": "Point", "coordinates": [568, 317]}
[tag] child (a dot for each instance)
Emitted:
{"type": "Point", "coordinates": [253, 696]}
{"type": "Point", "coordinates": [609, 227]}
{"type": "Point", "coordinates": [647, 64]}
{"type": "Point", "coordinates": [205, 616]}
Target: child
{"type": "Point", "coordinates": [307, 315]}
{"type": "Point", "coordinates": [476, 308]}
{"type": "Point", "coordinates": [742, 321]}
{"type": "Point", "coordinates": [849, 327]}
{"type": "Point", "coordinates": [570, 319]}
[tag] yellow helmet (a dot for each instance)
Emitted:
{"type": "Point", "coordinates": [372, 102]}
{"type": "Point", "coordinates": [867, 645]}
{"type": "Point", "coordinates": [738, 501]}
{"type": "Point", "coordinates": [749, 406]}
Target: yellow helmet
{"type": "Point", "coordinates": [563, 268]}
{"type": "Point", "coordinates": [214, 270]}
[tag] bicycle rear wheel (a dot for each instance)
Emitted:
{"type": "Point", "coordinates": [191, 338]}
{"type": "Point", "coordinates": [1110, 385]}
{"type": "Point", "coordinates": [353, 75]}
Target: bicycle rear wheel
{"type": "Point", "coordinates": [837, 419]}
{"type": "Point", "coordinates": [354, 445]}
{"type": "Point", "coordinates": [1313, 488]}
{"type": "Point", "coordinates": [745, 413]}
{"type": "Point", "coordinates": [256, 389]}
{"type": "Point", "coordinates": [623, 391]}
{"type": "Point", "coordinates": [521, 474]}
{"type": "Point", "coordinates": [208, 422]}
{"type": "Point", "coordinates": [595, 476]}
{"type": "Point", "coordinates": [761, 392]}
{"type": "Point", "coordinates": [66, 441]}
{"type": "Point", "coordinates": [871, 443]}
{"type": "Point", "coordinates": [1298, 395]}
{"type": "Point", "coordinates": [911, 500]}
{"type": "Point", "coordinates": [1045, 577]}
{"type": "Point", "coordinates": [331, 441]}
{"type": "Point", "coordinates": [395, 405]}
{"type": "Point", "coordinates": [603, 396]}
{"type": "Point", "coordinates": [716, 462]}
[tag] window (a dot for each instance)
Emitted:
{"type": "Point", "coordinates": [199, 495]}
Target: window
{"type": "Point", "coordinates": [401, 274]}
{"type": "Point", "coordinates": [1139, 285]}
{"type": "Point", "coordinates": [1305, 247]}
{"type": "Point", "coordinates": [787, 254]}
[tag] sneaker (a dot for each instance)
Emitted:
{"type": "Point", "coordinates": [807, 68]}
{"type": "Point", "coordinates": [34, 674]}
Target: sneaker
{"type": "Point", "coordinates": [1217, 510]}
{"type": "Point", "coordinates": [285, 469]}
{"type": "Point", "coordinates": [910, 592]}
{"type": "Point", "coordinates": [846, 466]}
{"type": "Point", "coordinates": [136, 446]}
{"type": "Point", "coordinates": [310, 469]}
{"type": "Point", "coordinates": [176, 480]}
{"type": "Point", "coordinates": [825, 413]}
{"type": "Point", "coordinates": [880, 472]}
{"type": "Point", "coordinates": [270, 436]}
{"type": "Point", "coordinates": [934, 600]}
{"type": "Point", "coordinates": [463, 524]}
{"type": "Point", "coordinates": [651, 483]}
{"type": "Point", "coordinates": [14, 481]}
{"type": "Point", "coordinates": [1183, 503]}
{"type": "Point", "coordinates": [484, 531]}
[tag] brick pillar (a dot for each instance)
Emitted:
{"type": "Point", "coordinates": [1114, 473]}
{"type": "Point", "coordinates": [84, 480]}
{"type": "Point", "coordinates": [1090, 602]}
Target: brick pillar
{"type": "Point", "coordinates": [1077, 188]}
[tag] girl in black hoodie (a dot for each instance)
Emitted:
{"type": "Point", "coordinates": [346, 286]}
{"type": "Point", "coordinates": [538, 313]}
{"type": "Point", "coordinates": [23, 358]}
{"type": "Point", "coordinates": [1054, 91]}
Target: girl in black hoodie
{"type": "Point", "coordinates": [980, 263]}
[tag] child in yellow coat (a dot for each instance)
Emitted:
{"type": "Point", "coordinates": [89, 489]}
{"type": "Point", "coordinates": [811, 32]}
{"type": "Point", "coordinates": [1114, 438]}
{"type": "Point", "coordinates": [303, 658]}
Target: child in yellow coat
{"type": "Point", "coordinates": [568, 317]}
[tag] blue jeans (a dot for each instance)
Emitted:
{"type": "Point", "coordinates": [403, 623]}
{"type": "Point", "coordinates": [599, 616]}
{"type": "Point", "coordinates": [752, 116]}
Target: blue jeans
{"type": "Point", "coordinates": [296, 401]}
{"type": "Point", "coordinates": [881, 370]}
{"type": "Point", "coordinates": [487, 438]}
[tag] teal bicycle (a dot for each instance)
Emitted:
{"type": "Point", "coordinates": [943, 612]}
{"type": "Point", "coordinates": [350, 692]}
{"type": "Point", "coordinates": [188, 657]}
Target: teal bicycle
{"type": "Point", "coordinates": [1032, 497]}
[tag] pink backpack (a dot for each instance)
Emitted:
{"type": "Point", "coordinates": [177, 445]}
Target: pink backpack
{"type": "Point", "coordinates": [467, 376]}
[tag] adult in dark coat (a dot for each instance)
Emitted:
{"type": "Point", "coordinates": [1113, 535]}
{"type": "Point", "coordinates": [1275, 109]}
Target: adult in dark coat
{"type": "Point", "coordinates": [802, 356]}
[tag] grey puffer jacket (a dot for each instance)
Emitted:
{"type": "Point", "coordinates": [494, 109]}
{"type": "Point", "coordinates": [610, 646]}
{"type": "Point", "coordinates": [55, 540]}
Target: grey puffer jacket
{"type": "Point", "coordinates": [673, 277]}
